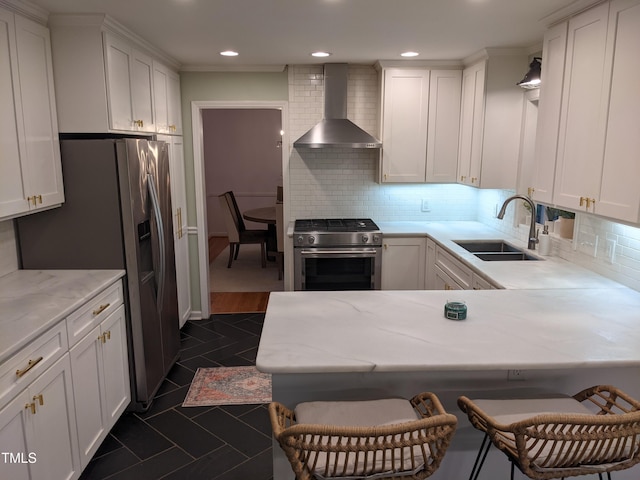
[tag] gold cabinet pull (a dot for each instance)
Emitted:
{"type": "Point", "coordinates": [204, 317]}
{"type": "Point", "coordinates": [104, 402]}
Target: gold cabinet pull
{"type": "Point", "coordinates": [31, 199]}
{"type": "Point", "coordinates": [474, 179]}
{"type": "Point", "coordinates": [31, 406]}
{"type": "Point", "coordinates": [530, 191]}
{"type": "Point", "coordinates": [30, 365]}
{"type": "Point", "coordinates": [108, 334]}
{"type": "Point", "coordinates": [462, 177]}
{"type": "Point", "coordinates": [102, 338]}
{"type": "Point", "coordinates": [447, 286]}
{"type": "Point", "coordinates": [39, 399]}
{"type": "Point", "coordinates": [582, 199]}
{"type": "Point", "coordinates": [39, 199]}
{"type": "Point", "coordinates": [100, 309]}
{"type": "Point", "coordinates": [139, 123]}
{"type": "Point", "coordinates": [589, 201]}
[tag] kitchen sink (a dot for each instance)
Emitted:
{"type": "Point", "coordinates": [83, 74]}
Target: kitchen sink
{"type": "Point", "coordinates": [495, 250]}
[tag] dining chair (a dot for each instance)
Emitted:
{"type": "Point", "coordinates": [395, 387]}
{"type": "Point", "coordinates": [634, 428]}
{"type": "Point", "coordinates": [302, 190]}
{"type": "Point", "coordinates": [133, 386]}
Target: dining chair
{"type": "Point", "coordinates": [372, 439]}
{"type": "Point", "coordinates": [595, 431]}
{"type": "Point", "coordinates": [238, 232]}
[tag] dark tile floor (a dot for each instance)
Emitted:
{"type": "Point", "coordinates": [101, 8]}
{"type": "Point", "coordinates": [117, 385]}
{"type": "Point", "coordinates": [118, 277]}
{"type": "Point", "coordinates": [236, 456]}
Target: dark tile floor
{"type": "Point", "coordinates": [195, 443]}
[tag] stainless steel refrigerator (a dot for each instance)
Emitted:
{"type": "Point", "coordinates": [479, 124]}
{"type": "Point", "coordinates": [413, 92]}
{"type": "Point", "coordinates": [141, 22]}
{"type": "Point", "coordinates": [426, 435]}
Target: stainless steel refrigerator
{"type": "Point", "coordinates": [117, 215]}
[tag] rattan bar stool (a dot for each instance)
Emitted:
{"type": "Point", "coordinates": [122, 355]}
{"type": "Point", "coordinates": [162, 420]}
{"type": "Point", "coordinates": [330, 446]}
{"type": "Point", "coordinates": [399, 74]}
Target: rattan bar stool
{"type": "Point", "coordinates": [595, 431]}
{"type": "Point", "coordinates": [373, 439]}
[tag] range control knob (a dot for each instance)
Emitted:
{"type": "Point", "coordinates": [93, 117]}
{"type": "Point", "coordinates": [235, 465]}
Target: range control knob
{"type": "Point", "coordinates": [376, 239]}
{"type": "Point", "coordinates": [300, 239]}
{"type": "Point", "coordinates": [365, 238]}
{"type": "Point", "coordinates": [311, 239]}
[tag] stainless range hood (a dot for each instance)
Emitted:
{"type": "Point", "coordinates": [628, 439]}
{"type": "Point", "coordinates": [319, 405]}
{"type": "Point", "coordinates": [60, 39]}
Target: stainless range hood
{"type": "Point", "coordinates": [335, 130]}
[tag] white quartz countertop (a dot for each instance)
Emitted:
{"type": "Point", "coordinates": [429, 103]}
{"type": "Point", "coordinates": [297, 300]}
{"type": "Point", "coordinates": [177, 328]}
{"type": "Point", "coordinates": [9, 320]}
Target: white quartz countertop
{"type": "Point", "coordinates": [550, 272]}
{"type": "Point", "coordinates": [400, 331]}
{"type": "Point", "coordinates": [32, 301]}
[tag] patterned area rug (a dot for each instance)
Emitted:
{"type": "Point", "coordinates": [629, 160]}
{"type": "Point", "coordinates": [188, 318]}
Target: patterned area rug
{"type": "Point", "coordinates": [228, 386]}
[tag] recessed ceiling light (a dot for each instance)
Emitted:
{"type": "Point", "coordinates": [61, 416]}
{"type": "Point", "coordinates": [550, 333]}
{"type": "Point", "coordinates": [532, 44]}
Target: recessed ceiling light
{"type": "Point", "coordinates": [229, 53]}
{"type": "Point", "coordinates": [409, 54]}
{"type": "Point", "coordinates": [320, 54]}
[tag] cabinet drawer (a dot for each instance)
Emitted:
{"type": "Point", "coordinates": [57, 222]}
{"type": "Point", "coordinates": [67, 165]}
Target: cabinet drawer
{"type": "Point", "coordinates": [80, 322]}
{"type": "Point", "coordinates": [26, 365]}
{"type": "Point", "coordinates": [460, 273]}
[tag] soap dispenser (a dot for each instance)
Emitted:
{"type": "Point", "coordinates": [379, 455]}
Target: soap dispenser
{"type": "Point", "coordinates": [544, 244]}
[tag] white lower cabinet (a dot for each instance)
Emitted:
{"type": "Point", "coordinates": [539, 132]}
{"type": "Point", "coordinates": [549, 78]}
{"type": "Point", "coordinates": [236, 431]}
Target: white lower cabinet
{"type": "Point", "coordinates": [445, 272]}
{"type": "Point", "coordinates": [100, 382]}
{"type": "Point", "coordinates": [38, 429]}
{"type": "Point", "coordinates": [58, 404]}
{"type": "Point", "coordinates": [403, 263]}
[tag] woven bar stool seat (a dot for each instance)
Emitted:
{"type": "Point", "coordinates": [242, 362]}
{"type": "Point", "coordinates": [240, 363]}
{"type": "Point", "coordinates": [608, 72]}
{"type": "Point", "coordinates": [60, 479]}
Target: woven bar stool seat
{"type": "Point", "coordinates": [373, 439]}
{"type": "Point", "coordinates": [595, 431]}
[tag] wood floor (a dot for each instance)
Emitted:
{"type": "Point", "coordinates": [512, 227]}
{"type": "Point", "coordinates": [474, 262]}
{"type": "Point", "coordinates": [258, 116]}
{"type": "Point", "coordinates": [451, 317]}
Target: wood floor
{"type": "Point", "coordinates": [233, 302]}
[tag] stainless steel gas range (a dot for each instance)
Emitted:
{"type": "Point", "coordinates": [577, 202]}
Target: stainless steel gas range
{"type": "Point", "coordinates": [337, 254]}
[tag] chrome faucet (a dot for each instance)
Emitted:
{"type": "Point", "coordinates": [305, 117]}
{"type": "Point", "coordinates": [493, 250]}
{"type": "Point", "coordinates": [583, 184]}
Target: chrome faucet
{"type": "Point", "coordinates": [533, 238]}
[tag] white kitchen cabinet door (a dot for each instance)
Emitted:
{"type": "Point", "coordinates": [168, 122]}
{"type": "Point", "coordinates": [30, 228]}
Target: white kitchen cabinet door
{"type": "Point", "coordinates": [31, 168]}
{"type": "Point", "coordinates": [129, 86]}
{"type": "Point", "coordinates": [444, 281]}
{"type": "Point", "coordinates": [142, 91]}
{"type": "Point", "coordinates": [403, 263]}
{"type": "Point", "coordinates": [581, 134]}
{"type": "Point", "coordinates": [41, 160]}
{"type": "Point", "coordinates": [180, 224]}
{"type": "Point", "coordinates": [15, 439]}
{"type": "Point", "coordinates": [54, 424]}
{"type": "Point", "coordinates": [100, 381]}
{"type": "Point", "coordinates": [619, 195]}
{"type": "Point", "coordinates": [174, 103]}
{"type": "Point", "coordinates": [116, 366]}
{"type": "Point", "coordinates": [89, 394]}
{"type": "Point", "coordinates": [445, 91]}
{"type": "Point", "coordinates": [471, 124]}
{"type": "Point", "coordinates": [167, 104]}
{"type": "Point", "coordinates": [13, 199]}
{"type": "Point", "coordinates": [405, 115]}
{"type": "Point", "coordinates": [430, 271]}
{"type": "Point", "coordinates": [553, 61]}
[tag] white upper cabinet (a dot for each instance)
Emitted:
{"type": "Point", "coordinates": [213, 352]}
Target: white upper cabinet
{"type": "Point", "coordinates": [445, 92]}
{"type": "Point", "coordinates": [129, 86]}
{"type": "Point", "coordinates": [167, 103]}
{"type": "Point", "coordinates": [554, 48]}
{"type": "Point", "coordinates": [108, 79]}
{"type": "Point", "coordinates": [491, 118]}
{"type": "Point", "coordinates": [619, 192]}
{"type": "Point", "coordinates": [579, 161]}
{"type": "Point", "coordinates": [405, 113]}
{"type": "Point", "coordinates": [596, 166]}
{"type": "Point", "coordinates": [420, 121]}
{"type": "Point", "coordinates": [31, 171]}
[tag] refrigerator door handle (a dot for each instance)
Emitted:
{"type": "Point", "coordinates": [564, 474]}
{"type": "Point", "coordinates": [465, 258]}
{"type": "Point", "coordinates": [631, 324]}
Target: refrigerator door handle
{"type": "Point", "coordinates": [153, 193]}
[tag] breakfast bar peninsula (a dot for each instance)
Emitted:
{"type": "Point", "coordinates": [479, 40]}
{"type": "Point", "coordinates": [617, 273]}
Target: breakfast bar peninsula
{"type": "Point", "coordinates": [372, 344]}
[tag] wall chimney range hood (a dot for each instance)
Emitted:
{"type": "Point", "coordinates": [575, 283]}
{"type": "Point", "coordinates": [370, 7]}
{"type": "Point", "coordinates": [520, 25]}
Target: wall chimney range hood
{"type": "Point", "coordinates": [335, 130]}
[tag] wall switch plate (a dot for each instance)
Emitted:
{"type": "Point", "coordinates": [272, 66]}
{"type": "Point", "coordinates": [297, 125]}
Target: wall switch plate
{"type": "Point", "coordinates": [425, 205]}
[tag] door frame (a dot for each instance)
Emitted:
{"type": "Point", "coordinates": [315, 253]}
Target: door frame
{"type": "Point", "coordinates": [199, 176]}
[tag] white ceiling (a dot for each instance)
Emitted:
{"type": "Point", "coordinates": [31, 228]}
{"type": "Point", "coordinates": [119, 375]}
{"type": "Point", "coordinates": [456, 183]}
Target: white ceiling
{"type": "Point", "coordinates": [280, 32]}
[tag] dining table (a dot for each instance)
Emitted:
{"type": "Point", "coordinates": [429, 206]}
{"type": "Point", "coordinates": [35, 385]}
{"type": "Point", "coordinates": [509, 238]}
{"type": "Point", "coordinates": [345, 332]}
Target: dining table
{"type": "Point", "coordinates": [265, 215]}
{"type": "Point", "coordinates": [261, 215]}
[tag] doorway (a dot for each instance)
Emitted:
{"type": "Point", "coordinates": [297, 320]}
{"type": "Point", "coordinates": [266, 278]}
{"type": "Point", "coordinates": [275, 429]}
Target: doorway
{"type": "Point", "coordinates": [223, 160]}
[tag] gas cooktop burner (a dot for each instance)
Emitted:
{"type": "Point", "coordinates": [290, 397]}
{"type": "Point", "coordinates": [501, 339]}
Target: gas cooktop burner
{"type": "Point", "coordinates": [336, 225]}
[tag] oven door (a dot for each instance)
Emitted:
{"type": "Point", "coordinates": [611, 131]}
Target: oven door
{"type": "Point", "coordinates": [337, 268]}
